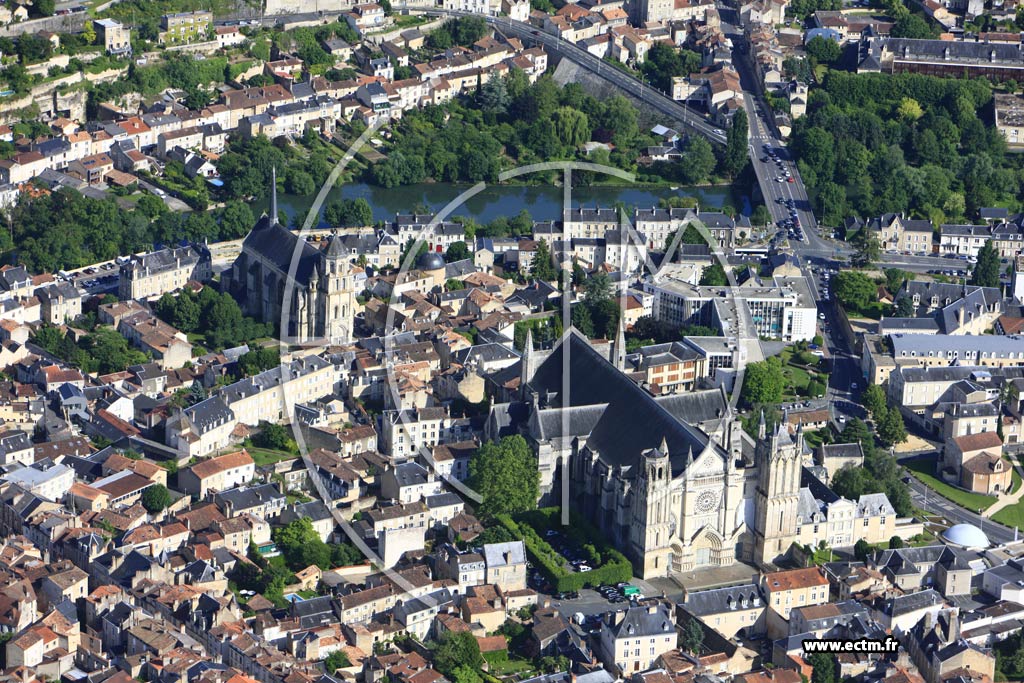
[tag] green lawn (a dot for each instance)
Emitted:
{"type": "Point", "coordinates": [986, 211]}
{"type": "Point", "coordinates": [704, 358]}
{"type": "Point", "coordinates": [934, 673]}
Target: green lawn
{"type": "Point", "coordinates": [408, 20]}
{"type": "Point", "coordinates": [1011, 516]}
{"type": "Point", "coordinates": [815, 438]}
{"type": "Point", "coordinates": [798, 376]}
{"type": "Point", "coordinates": [268, 456]}
{"type": "Point", "coordinates": [511, 666]}
{"type": "Point", "coordinates": [924, 468]}
{"type": "Point", "coordinates": [1015, 483]}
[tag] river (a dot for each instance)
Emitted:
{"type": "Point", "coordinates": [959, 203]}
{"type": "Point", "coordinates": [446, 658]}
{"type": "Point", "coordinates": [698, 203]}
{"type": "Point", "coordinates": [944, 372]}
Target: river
{"type": "Point", "coordinates": [544, 202]}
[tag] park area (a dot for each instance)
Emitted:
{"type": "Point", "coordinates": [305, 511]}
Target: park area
{"type": "Point", "coordinates": [924, 468]}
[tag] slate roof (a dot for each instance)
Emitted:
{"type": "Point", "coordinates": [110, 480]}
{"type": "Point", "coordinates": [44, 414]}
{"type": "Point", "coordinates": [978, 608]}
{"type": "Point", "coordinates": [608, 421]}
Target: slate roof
{"type": "Point", "coordinates": [276, 244]}
{"type": "Point", "coordinates": [632, 423]}
{"type": "Point", "coordinates": [639, 622]}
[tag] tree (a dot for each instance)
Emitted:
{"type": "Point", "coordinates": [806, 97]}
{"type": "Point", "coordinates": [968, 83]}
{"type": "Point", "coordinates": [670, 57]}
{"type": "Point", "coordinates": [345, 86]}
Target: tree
{"type": "Point", "coordinates": [854, 290]}
{"type": "Point", "coordinates": [866, 248]}
{"type": "Point", "coordinates": [698, 161]}
{"type": "Point", "coordinates": [909, 109]}
{"type": "Point", "coordinates": [571, 126]}
{"type": "Point", "coordinates": [156, 498]}
{"type": "Point", "coordinates": [258, 360]}
{"type": "Point", "coordinates": [543, 267]}
{"type": "Point", "coordinates": [831, 201]}
{"type": "Point", "coordinates": [862, 549]}
{"type": "Point", "coordinates": [506, 476]}
{"type": "Point", "coordinates": [44, 8]}
{"type": "Point", "coordinates": [760, 215]}
{"type": "Point", "coordinates": [301, 545]}
{"type": "Point", "coordinates": [763, 382]}
{"type": "Point", "coordinates": [986, 270]}
{"type": "Point", "coordinates": [598, 288]}
{"type": "Point", "coordinates": [824, 667]}
{"type": "Point", "coordinates": [824, 50]}
{"type": "Point", "coordinates": [735, 156]}
{"type": "Point", "coordinates": [457, 650]}
{"type": "Point", "coordinates": [912, 26]}
{"type": "Point", "coordinates": [274, 436]}
{"type": "Point", "coordinates": [714, 275]}
{"type": "Point", "coordinates": [582, 321]}
{"type": "Point", "coordinates": [236, 218]}
{"type": "Point", "coordinates": [873, 399]}
{"type": "Point", "coordinates": [464, 674]}
{"type": "Point", "coordinates": [693, 636]}
{"type": "Point", "coordinates": [895, 543]}
{"type": "Point", "coordinates": [336, 660]}
{"type": "Point", "coordinates": [88, 33]}
{"type": "Point", "coordinates": [458, 251]}
{"type": "Point", "coordinates": [891, 429]}
{"type": "Point", "coordinates": [348, 212]}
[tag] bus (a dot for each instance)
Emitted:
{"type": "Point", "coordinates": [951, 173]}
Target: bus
{"type": "Point", "coordinates": [760, 252]}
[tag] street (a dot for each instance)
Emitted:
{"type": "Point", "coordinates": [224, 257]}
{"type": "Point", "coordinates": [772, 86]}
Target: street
{"type": "Point", "coordinates": [934, 503]}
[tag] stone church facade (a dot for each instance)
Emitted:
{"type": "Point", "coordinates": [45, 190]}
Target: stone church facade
{"type": "Point", "coordinates": [278, 264]}
{"type": "Point", "coordinates": [673, 481]}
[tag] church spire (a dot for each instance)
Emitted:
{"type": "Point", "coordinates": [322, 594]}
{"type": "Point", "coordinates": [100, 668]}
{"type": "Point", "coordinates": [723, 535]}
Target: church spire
{"type": "Point", "coordinates": [524, 360]}
{"type": "Point", "coordinates": [664, 445]}
{"type": "Point", "coordinates": [619, 348]}
{"type": "Point", "coordinates": [273, 195]}
{"type": "Point", "coordinates": [762, 428]}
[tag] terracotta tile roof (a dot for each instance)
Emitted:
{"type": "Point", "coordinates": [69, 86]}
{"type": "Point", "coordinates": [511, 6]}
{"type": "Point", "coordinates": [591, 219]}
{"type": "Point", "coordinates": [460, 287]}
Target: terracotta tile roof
{"type": "Point", "coordinates": [794, 579]}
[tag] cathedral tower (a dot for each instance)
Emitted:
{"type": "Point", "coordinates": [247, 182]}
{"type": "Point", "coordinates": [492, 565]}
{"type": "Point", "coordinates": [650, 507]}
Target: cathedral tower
{"type": "Point", "coordinates": [339, 293]}
{"type": "Point", "coordinates": [653, 524]}
{"type": "Point", "coordinates": [778, 490]}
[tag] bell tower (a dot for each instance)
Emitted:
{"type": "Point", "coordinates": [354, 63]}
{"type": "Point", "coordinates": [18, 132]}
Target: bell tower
{"type": "Point", "coordinates": [778, 491]}
{"type": "Point", "coordinates": [652, 525]}
{"type": "Point", "coordinates": [338, 293]}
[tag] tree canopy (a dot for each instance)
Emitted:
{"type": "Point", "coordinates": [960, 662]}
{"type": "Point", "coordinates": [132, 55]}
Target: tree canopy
{"type": "Point", "coordinates": [506, 476]}
{"type": "Point", "coordinates": [156, 498]}
{"type": "Point", "coordinates": [763, 382]}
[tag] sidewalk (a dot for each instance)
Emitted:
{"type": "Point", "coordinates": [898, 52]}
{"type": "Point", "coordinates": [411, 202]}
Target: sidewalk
{"type": "Point", "coordinates": [1007, 499]}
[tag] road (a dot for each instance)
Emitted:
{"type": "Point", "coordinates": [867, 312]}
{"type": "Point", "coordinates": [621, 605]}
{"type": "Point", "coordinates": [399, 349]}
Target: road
{"type": "Point", "coordinates": [936, 504]}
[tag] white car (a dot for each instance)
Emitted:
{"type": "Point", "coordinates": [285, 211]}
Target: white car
{"type": "Point", "coordinates": [853, 385]}
{"type": "Point", "coordinates": [719, 131]}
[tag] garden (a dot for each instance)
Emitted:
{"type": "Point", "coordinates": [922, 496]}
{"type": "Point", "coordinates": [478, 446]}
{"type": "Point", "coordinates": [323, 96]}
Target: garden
{"type": "Point", "coordinates": [608, 565]}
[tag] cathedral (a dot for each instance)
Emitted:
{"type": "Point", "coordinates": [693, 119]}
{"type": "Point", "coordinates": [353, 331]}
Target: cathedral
{"type": "Point", "coordinates": [321, 301]}
{"type": "Point", "coordinates": [673, 481]}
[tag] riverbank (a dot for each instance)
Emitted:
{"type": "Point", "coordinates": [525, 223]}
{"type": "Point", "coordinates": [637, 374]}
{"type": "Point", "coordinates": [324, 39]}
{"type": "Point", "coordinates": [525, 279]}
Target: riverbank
{"type": "Point", "coordinates": [543, 202]}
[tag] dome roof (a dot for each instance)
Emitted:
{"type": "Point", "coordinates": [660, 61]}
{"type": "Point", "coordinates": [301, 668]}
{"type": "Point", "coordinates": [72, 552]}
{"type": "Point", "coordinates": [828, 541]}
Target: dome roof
{"type": "Point", "coordinates": [966, 536]}
{"type": "Point", "coordinates": [430, 261]}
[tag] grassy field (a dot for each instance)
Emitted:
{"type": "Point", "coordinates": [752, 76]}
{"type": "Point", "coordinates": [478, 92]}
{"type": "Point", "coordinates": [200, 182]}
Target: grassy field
{"type": "Point", "coordinates": [924, 468]}
{"type": "Point", "coordinates": [798, 375]}
{"type": "Point", "coordinates": [268, 456]}
{"type": "Point", "coordinates": [1011, 516]}
{"type": "Point", "coordinates": [1015, 484]}
{"type": "Point", "coordinates": [512, 666]}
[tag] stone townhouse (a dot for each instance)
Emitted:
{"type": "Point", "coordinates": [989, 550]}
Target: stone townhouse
{"type": "Point", "coordinates": [217, 474]}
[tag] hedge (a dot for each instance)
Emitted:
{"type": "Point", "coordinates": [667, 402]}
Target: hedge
{"type": "Point", "coordinates": [614, 567]}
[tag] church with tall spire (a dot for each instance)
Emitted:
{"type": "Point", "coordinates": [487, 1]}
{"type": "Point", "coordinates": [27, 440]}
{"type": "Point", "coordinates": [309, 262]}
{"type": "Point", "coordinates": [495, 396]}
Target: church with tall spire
{"type": "Point", "coordinates": [670, 479]}
{"type": "Point", "coordinates": [281, 278]}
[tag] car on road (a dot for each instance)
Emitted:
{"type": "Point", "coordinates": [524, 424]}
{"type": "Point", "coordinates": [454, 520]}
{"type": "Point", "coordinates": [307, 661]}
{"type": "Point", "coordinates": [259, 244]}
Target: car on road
{"type": "Point", "coordinates": [719, 131]}
{"type": "Point", "coordinates": [854, 385]}
{"type": "Point", "coordinates": [821, 316]}
{"type": "Point", "coordinates": [790, 180]}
